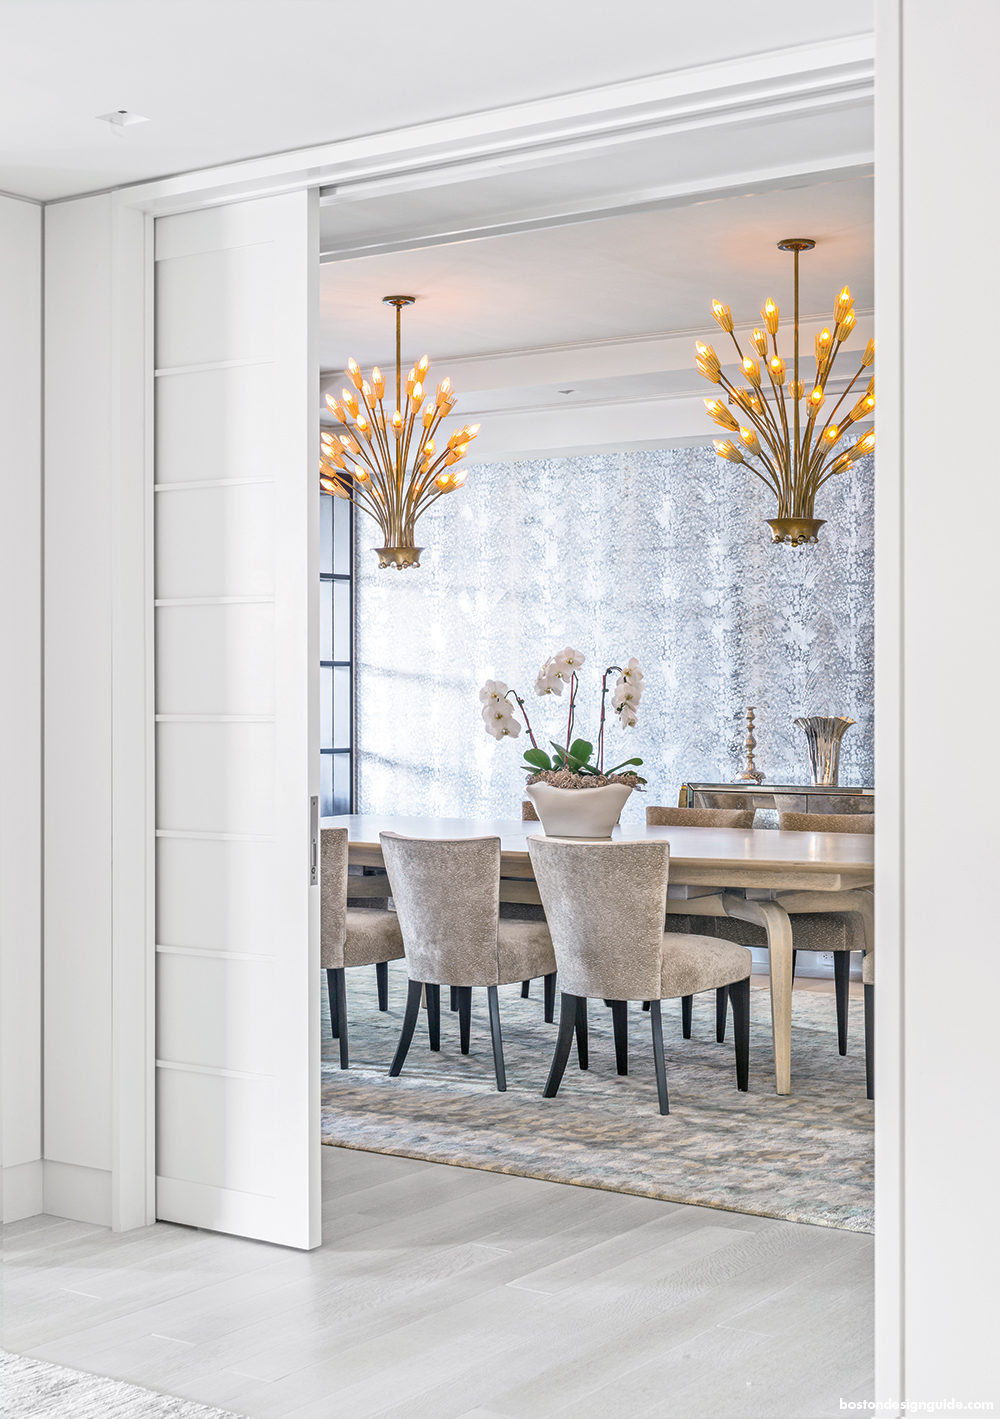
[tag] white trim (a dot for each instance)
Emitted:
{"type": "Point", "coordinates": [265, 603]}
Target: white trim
{"type": "Point", "coordinates": [208, 483]}
{"type": "Point", "coordinates": [214, 600]}
{"type": "Point", "coordinates": [828, 74]}
{"type": "Point", "coordinates": [216, 955]}
{"type": "Point", "coordinates": [211, 365]}
{"type": "Point", "coordinates": [212, 1069]}
{"type": "Point", "coordinates": [200, 836]}
{"type": "Point", "coordinates": [133, 703]}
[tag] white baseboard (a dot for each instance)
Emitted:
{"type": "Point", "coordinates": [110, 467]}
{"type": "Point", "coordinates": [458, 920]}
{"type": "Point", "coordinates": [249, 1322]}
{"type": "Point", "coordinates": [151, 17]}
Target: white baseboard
{"type": "Point", "coordinates": [22, 1191]}
{"type": "Point", "coordinates": [79, 1193]}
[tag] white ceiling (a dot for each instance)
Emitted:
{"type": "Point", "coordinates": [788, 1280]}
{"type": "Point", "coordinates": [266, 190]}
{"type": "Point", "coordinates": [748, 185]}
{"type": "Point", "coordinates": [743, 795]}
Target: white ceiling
{"type": "Point", "coordinates": [602, 280]}
{"type": "Point", "coordinates": [222, 80]}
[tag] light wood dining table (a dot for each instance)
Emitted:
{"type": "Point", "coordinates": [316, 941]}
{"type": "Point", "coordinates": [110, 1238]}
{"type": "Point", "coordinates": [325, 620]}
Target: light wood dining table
{"type": "Point", "coordinates": [749, 866]}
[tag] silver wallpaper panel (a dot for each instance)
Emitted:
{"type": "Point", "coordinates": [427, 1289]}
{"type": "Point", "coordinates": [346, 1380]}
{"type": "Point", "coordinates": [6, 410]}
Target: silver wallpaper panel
{"type": "Point", "coordinates": [663, 555]}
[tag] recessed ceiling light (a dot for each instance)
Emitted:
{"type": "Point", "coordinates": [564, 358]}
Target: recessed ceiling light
{"type": "Point", "coordinates": [121, 119]}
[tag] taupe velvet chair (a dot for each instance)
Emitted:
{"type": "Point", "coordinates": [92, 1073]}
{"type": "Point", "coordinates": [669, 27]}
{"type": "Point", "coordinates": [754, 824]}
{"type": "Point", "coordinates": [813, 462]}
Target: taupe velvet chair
{"type": "Point", "coordinates": [605, 905]}
{"type": "Point", "coordinates": [680, 915]}
{"type": "Point", "coordinates": [447, 895]}
{"type": "Point", "coordinates": [839, 922]}
{"type": "Point", "coordinates": [528, 813]}
{"type": "Point", "coordinates": [826, 822]}
{"type": "Point", "coordinates": [657, 816]}
{"type": "Point", "coordinates": [350, 936]}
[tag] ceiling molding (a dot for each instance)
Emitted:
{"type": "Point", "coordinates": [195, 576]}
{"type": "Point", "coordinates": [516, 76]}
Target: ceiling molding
{"type": "Point", "coordinates": [661, 198]}
{"type": "Point", "coordinates": [813, 77]}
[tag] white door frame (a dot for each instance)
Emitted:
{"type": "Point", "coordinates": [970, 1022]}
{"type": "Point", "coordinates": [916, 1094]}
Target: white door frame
{"type": "Point", "coordinates": [523, 135]}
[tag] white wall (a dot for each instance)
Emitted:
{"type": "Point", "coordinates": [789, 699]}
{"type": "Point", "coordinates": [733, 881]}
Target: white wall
{"type": "Point", "coordinates": [938, 687]}
{"type": "Point", "coordinates": [20, 703]}
{"type": "Point", "coordinates": [78, 726]}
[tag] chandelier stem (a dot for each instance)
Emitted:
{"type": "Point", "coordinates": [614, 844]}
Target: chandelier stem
{"type": "Point", "coordinates": [399, 382]}
{"type": "Point", "coordinates": [795, 361]}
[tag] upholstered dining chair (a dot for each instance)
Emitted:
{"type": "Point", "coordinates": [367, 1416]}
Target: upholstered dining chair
{"type": "Point", "coordinates": [447, 895]}
{"type": "Point", "coordinates": [827, 822]}
{"type": "Point", "coordinates": [839, 922]}
{"type": "Point", "coordinates": [528, 813]}
{"type": "Point", "coordinates": [657, 816]}
{"type": "Point", "coordinates": [605, 905]}
{"type": "Point", "coordinates": [350, 936]}
{"type": "Point", "coordinates": [681, 916]}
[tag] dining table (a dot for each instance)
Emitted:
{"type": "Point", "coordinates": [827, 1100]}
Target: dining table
{"type": "Point", "coordinates": [745, 868]}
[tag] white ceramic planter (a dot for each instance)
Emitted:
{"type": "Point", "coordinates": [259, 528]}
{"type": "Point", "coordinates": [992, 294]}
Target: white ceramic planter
{"type": "Point", "coordinates": [578, 812]}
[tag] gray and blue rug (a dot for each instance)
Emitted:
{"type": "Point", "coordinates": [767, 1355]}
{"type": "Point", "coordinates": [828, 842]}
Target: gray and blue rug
{"type": "Point", "coordinates": [806, 1157]}
{"type": "Point", "coordinates": [36, 1388]}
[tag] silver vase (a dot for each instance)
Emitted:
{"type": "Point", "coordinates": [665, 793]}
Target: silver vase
{"type": "Point", "coordinates": [824, 733]}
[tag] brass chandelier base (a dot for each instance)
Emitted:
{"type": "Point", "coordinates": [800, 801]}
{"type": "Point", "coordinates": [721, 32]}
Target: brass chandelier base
{"type": "Point", "coordinates": [399, 557]}
{"type": "Point", "coordinates": [795, 530]}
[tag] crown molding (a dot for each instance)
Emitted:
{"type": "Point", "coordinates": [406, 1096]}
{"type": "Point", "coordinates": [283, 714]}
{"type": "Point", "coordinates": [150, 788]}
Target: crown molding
{"type": "Point", "coordinates": [787, 81]}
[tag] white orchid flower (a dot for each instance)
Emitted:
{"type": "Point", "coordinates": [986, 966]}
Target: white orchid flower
{"type": "Point", "coordinates": [548, 682]}
{"type": "Point", "coordinates": [566, 663]}
{"type": "Point", "coordinates": [492, 691]}
{"type": "Point", "coordinates": [627, 716]}
{"type": "Point", "coordinates": [633, 672]}
{"type": "Point", "coordinates": [502, 726]}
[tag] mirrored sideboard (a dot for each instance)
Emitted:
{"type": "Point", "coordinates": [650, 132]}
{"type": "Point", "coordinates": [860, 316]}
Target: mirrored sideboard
{"type": "Point", "coordinates": [782, 797]}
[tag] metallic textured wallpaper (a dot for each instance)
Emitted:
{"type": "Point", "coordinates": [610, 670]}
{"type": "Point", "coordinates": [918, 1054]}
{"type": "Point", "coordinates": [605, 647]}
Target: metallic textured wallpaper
{"type": "Point", "coordinates": [663, 555]}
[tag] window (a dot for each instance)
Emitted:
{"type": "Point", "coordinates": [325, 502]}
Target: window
{"type": "Point", "coordinates": [336, 674]}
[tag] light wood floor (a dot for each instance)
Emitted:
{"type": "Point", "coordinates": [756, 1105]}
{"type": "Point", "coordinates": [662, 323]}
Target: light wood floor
{"type": "Point", "coordinates": [446, 1293]}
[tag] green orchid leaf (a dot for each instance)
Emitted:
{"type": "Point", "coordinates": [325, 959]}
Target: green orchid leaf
{"type": "Point", "coordinates": [624, 764]}
{"type": "Point", "coordinates": [537, 759]}
{"type": "Point", "coordinates": [581, 751]}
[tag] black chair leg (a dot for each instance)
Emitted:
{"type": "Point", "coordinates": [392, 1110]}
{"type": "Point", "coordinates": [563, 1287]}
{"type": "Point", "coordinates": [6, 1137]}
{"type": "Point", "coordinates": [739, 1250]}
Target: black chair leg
{"type": "Point", "coordinates": [463, 995]}
{"type": "Point", "coordinates": [454, 997]}
{"type": "Point", "coordinates": [525, 989]}
{"type": "Point", "coordinates": [501, 1073]}
{"type": "Point", "coordinates": [564, 1039]}
{"type": "Point", "coordinates": [686, 1003]}
{"type": "Point", "coordinates": [869, 1040]}
{"type": "Point", "coordinates": [739, 994]}
{"type": "Point", "coordinates": [645, 1005]}
{"type": "Point", "coordinates": [659, 1063]}
{"type": "Point", "coordinates": [619, 1019]}
{"type": "Point", "coordinates": [582, 1033]}
{"type": "Point", "coordinates": [434, 1015]}
{"type": "Point", "coordinates": [331, 990]}
{"type": "Point", "coordinates": [550, 997]}
{"type": "Point", "coordinates": [795, 957]}
{"type": "Point", "coordinates": [341, 975]}
{"type": "Point", "coordinates": [382, 984]}
{"type": "Point", "coordinates": [841, 985]}
{"type": "Point", "coordinates": [409, 1025]}
{"type": "Point", "coordinates": [721, 1011]}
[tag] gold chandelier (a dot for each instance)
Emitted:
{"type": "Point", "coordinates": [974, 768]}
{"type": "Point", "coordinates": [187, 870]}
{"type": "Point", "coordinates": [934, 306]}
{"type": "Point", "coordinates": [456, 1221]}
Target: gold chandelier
{"type": "Point", "coordinates": [371, 464]}
{"type": "Point", "coordinates": [784, 444]}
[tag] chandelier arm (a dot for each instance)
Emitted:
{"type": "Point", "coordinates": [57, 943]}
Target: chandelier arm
{"type": "Point", "coordinates": [429, 433]}
{"type": "Point", "coordinates": [758, 474]}
{"type": "Point", "coordinates": [760, 426]}
{"type": "Point", "coordinates": [779, 399]}
{"type": "Point", "coordinates": [378, 424]}
{"type": "Point", "coordinates": [843, 396]}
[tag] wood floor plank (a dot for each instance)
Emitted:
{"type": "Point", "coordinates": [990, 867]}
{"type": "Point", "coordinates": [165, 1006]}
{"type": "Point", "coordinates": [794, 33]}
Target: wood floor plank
{"type": "Point", "coordinates": [449, 1293]}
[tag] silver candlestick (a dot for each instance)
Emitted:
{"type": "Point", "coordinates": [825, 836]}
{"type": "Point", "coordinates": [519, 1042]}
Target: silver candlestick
{"type": "Point", "coordinates": [750, 774]}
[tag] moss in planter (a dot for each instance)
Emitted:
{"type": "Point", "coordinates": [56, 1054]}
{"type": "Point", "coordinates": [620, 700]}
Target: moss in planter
{"type": "Point", "coordinates": [562, 778]}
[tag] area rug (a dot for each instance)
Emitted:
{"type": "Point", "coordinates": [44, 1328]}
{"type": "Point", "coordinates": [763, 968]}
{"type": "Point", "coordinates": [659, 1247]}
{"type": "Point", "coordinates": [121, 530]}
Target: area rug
{"type": "Point", "coordinates": [806, 1157]}
{"type": "Point", "coordinates": [32, 1387]}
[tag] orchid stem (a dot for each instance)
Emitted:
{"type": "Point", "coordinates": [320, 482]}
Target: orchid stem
{"type": "Point", "coordinates": [524, 715]}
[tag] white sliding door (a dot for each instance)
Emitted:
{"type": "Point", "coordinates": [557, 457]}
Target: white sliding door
{"type": "Point", "coordinates": [237, 779]}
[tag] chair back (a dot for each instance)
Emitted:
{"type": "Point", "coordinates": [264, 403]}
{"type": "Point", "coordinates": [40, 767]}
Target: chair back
{"type": "Point", "coordinates": [827, 822]}
{"type": "Point", "coordinates": [332, 896]}
{"type": "Point", "coordinates": [604, 904]}
{"type": "Point", "coordinates": [528, 814]}
{"type": "Point", "coordinates": [657, 817]}
{"type": "Point", "coordinates": [447, 897]}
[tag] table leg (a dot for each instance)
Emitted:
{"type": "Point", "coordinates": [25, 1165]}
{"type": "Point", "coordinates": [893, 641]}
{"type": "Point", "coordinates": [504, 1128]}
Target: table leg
{"type": "Point", "coordinates": [774, 919]}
